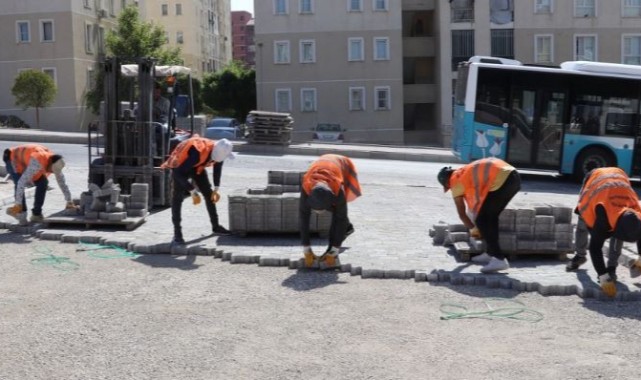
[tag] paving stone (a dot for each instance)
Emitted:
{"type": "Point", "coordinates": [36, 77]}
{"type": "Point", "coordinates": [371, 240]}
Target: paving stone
{"type": "Point", "coordinates": [543, 210]}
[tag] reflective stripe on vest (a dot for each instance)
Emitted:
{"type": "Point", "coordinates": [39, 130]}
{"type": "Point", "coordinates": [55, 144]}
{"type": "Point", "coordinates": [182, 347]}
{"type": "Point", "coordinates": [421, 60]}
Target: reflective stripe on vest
{"type": "Point", "coordinates": [609, 187]}
{"type": "Point", "coordinates": [336, 171]}
{"type": "Point", "coordinates": [204, 147]}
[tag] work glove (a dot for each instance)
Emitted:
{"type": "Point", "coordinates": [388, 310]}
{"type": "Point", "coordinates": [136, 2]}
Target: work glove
{"type": "Point", "coordinates": [608, 285]}
{"type": "Point", "coordinates": [309, 256]}
{"type": "Point", "coordinates": [635, 268]}
{"type": "Point", "coordinates": [215, 196]}
{"type": "Point", "coordinates": [71, 206]}
{"type": "Point", "coordinates": [195, 197]}
{"type": "Point", "coordinates": [475, 233]}
{"type": "Point", "coordinates": [330, 258]}
{"type": "Point", "coordinates": [14, 210]}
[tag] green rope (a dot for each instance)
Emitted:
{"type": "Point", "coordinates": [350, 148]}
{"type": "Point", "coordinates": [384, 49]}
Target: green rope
{"type": "Point", "coordinates": [104, 251]}
{"type": "Point", "coordinates": [58, 262]}
{"type": "Point", "coordinates": [516, 310]}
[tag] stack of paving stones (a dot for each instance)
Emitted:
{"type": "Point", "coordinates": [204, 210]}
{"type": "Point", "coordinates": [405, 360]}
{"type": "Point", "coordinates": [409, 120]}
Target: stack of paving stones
{"type": "Point", "coordinates": [274, 208]}
{"type": "Point", "coordinates": [541, 230]}
{"type": "Point", "coordinates": [269, 128]}
{"type": "Point", "coordinates": [106, 202]}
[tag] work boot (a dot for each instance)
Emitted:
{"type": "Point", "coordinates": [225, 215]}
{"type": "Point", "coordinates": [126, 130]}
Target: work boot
{"type": "Point", "coordinates": [608, 285]}
{"type": "Point", "coordinates": [575, 263]}
{"type": "Point", "coordinates": [220, 231]}
{"type": "Point", "coordinates": [37, 218]}
{"type": "Point", "coordinates": [612, 271]}
{"type": "Point", "coordinates": [495, 265]}
{"type": "Point", "coordinates": [483, 258]}
{"type": "Point", "coordinates": [178, 240]}
{"type": "Point", "coordinates": [22, 218]}
{"type": "Point", "coordinates": [350, 230]}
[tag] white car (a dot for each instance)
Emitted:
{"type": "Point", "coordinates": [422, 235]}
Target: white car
{"type": "Point", "coordinates": [328, 132]}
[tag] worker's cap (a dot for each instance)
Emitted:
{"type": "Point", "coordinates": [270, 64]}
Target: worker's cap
{"type": "Point", "coordinates": [444, 177]}
{"type": "Point", "coordinates": [321, 197]}
{"type": "Point", "coordinates": [222, 151]}
{"type": "Point", "coordinates": [58, 165]}
{"type": "Point", "coordinates": [628, 227]}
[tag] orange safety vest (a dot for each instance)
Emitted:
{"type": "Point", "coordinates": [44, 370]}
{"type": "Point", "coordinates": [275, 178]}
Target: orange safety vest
{"type": "Point", "coordinates": [476, 178]}
{"type": "Point", "coordinates": [22, 154]}
{"type": "Point", "coordinates": [335, 171]}
{"type": "Point", "coordinates": [609, 187]}
{"type": "Point", "coordinates": [204, 147]}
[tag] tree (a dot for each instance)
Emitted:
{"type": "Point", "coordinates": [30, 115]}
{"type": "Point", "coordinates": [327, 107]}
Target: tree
{"type": "Point", "coordinates": [232, 91]}
{"type": "Point", "coordinates": [132, 39]}
{"type": "Point", "coordinates": [34, 89]}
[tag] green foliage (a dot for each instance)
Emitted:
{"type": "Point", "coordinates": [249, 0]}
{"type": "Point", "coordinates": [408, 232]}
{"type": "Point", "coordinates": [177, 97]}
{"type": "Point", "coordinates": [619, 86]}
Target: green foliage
{"type": "Point", "coordinates": [232, 91]}
{"type": "Point", "coordinates": [34, 89]}
{"type": "Point", "coordinates": [132, 39]}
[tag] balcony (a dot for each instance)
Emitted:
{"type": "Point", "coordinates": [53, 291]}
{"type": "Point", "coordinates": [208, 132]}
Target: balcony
{"type": "Point", "coordinates": [418, 5]}
{"type": "Point", "coordinates": [462, 15]}
{"type": "Point", "coordinates": [419, 93]}
{"type": "Point", "coordinates": [419, 47]}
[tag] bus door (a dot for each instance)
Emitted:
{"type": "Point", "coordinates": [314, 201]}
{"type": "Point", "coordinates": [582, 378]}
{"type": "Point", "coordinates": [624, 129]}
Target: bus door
{"type": "Point", "coordinates": [536, 128]}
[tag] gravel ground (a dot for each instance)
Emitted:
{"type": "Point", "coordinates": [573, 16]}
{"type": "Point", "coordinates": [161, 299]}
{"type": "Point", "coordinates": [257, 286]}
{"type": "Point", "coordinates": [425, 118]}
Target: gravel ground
{"type": "Point", "coordinates": [196, 317]}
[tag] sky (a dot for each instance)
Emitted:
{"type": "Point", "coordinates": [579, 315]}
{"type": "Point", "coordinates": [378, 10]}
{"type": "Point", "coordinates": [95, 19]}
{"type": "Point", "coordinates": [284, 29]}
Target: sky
{"type": "Point", "coordinates": [243, 5]}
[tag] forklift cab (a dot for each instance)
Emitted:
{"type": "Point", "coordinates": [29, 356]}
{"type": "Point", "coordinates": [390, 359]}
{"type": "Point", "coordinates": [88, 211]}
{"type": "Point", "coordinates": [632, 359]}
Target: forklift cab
{"type": "Point", "coordinates": [133, 144]}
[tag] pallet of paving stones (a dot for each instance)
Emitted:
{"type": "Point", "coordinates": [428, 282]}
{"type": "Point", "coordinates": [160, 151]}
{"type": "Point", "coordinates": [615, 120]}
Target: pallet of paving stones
{"type": "Point", "coordinates": [129, 223]}
{"type": "Point", "coordinates": [542, 230]}
{"type": "Point", "coordinates": [271, 128]}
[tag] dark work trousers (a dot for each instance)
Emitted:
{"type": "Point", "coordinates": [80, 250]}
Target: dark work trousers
{"type": "Point", "coordinates": [41, 189]}
{"type": "Point", "coordinates": [487, 220]}
{"type": "Point", "coordinates": [178, 195]}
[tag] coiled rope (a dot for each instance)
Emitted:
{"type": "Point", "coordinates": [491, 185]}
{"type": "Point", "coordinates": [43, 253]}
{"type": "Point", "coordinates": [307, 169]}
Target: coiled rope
{"type": "Point", "coordinates": [506, 309]}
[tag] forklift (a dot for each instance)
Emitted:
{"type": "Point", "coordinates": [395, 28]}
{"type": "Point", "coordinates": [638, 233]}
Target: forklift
{"type": "Point", "coordinates": [126, 145]}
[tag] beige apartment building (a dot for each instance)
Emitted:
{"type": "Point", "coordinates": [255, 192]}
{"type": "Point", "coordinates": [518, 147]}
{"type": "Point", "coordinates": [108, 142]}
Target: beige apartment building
{"type": "Point", "coordinates": [65, 39]}
{"type": "Point", "coordinates": [384, 69]}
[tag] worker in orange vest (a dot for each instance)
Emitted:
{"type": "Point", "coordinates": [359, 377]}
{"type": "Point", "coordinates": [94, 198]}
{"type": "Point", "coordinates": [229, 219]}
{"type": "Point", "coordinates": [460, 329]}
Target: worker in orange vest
{"type": "Point", "coordinates": [329, 183]}
{"type": "Point", "coordinates": [31, 164]}
{"type": "Point", "coordinates": [609, 207]}
{"type": "Point", "coordinates": [189, 160]}
{"type": "Point", "coordinates": [486, 186]}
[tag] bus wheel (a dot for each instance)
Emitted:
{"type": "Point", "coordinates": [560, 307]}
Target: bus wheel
{"type": "Point", "coordinates": [592, 158]}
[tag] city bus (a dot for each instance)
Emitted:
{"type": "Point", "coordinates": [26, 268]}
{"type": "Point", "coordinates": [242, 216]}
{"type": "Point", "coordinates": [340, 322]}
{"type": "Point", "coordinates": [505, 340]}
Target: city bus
{"type": "Point", "coordinates": [569, 118]}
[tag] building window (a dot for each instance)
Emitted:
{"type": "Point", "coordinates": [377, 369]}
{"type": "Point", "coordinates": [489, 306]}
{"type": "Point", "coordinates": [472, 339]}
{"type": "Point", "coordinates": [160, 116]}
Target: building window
{"type": "Point", "coordinates": [22, 32]}
{"type": "Point", "coordinates": [112, 8]}
{"type": "Point", "coordinates": [584, 8]}
{"type": "Point", "coordinates": [89, 38]}
{"type": "Point", "coordinates": [355, 49]}
{"type": "Point", "coordinates": [281, 7]}
{"type": "Point", "coordinates": [86, 4]}
{"type": "Point", "coordinates": [382, 99]}
{"type": "Point", "coordinates": [281, 51]}
{"type": "Point", "coordinates": [355, 5]}
{"type": "Point", "coordinates": [307, 51]}
{"type": "Point", "coordinates": [101, 39]}
{"type": "Point", "coordinates": [502, 43]}
{"type": "Point", "coordinates": [306, 6]}
{"type": "Point", "coordinates": [179, 37]}
{"type": "Point", "coordinates": [90, 77]}
{"type": "Point", "coordinates": [164, 9]}
{"type": "Point", "coordinates": [357, 98]}
{"type": "Point", "coordinates": [308, 100]}
{"type": "Point", "coordinates": [631, 8]}
{"type": "Point", "coordinates": [46, 31]}
{"type": "Point", "coordinates": [585, 48]}
{"type": "Point", "coordinates": [543, 44]}
{"type": "Point", "coordinates": [381, 48]}
{"type": "Point", "coordinates": [380, 5]}
{"type": "Point", "coordinates": [632, 49]}
{"type": "Point", "coordinates": [462, 46]}
{"type": "Point", "coordinates": [179, 9]}
{"type": "Point", "coordinates": [462, 10]}
{"type": "Point", "coordinates": [51, 71]}
{"type": "Point", "coordinates": [543, 6]}
{"type": "Point", "coordinates": [283, 100]}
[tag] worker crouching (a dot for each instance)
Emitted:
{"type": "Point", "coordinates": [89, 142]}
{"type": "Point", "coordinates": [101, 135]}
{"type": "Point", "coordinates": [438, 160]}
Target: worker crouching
{"type": "Point", "coordinates": [485, 186]}
{"type": "Point", "coordinates": [189, 160]}
{"type": "Point", "coordinates": [609, 207]}
{"type": "Point", "coordinates": [329, 183]}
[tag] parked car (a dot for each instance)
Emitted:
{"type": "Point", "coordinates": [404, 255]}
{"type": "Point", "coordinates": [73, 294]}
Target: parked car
{"type": "Point", "coordinates": [224, 128]}
{"type": "Point", "coordinates": [328, 132]}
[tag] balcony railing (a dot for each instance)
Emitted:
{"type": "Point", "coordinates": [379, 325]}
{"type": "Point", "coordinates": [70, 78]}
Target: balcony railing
{"type": "Point", "coordinates": [462, 14]}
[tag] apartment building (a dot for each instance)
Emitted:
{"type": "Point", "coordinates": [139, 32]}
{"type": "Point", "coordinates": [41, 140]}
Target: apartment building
{"type": "Point", "coordinates": [62, 38]}
{"type": "Point", "coordinates": [200, 28]}
{"type": "Point", "coordinates": [65, 39]}
{"type": "Point", "coordinates": [385, 69]}
{"type": "Point", "coordinates": [242, 26]}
